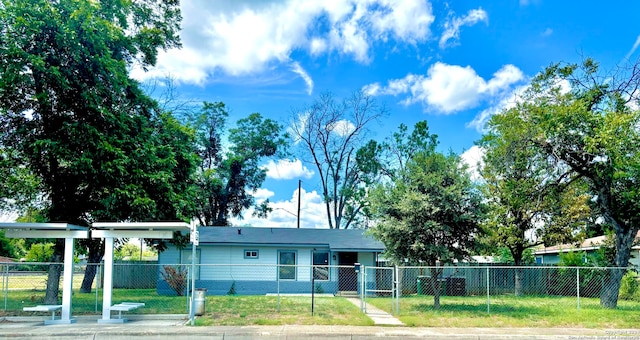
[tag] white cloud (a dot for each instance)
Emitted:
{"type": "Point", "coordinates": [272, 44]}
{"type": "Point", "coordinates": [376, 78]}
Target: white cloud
{"type": "Point", "coordinates": [473, 158]}
{"type": "Point", "coordinates": [318, 46]}
{"type": "Point", "coordinates": [343, 127]}
{"type": "Point", "coordinates": [243, 37]}
{"type": "Point", "coordinates": [296, 68]}
{"type": "Point", "coordinates": [262, 194]}
{"type": "Point", "coordinates": [452, 27]}
{"type": "Point", "coordinates": [634, 104]}
{"type": "Point", "coordinates": [633, 49]}
{"type": "Point", "coordinates": [10, 216]}
{"type": "Point", "coordinates": [547, 32]}
{"type": "Point", "coordinates": [284, 214]}
{"type": "Point", "coordinates": [502, 79]}
{"type": "Point", "coordinates": [371, 89]}
{"type": "Point", "coordinates": [450, 88]}
{"type": "Point", "coordinates": [287, 169]}
{"type": "Point", "coordinates": [408, 20]}
{"type": "Point", "coordinates": [507, 100]}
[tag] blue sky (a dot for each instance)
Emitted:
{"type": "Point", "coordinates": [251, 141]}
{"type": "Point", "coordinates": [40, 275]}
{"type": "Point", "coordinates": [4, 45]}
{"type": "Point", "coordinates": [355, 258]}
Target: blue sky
{"type": "Point", "coordinates": [453, 64]}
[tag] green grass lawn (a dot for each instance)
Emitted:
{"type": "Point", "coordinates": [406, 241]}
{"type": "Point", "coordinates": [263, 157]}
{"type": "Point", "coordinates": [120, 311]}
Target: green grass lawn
{"type": "Point", "coordinates": [465, 311]}
{"type": "Point", "coordinates": [220, 310]}
{"type": "Point", "coordinates": [511, 311]}
{"type": "Point", "coordinates": [263, 310]}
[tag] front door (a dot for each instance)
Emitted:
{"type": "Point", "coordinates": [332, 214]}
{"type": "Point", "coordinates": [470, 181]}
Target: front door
{"type": "Point", "coordinates": [347, 276]}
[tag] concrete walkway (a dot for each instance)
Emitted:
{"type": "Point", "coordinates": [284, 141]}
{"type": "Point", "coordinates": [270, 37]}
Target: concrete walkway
{"type": "Point", "coordinates": [379, 317]}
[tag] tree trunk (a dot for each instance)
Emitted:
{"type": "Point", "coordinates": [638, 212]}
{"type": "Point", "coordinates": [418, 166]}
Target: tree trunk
{"type": "Point", "coordinates": [613, 278]}
{"type": "Point", "coordinates": [96, 251]}
{"type": "Point", "coordinates": [611, 288]}
{"type": "Point", "coordinates": [436, 286]}
{"type": "Point", "coordinates": [516, 252]}
{"type": "Point", "coordinates": [53, 279]}
{"type": "Point", "coordinates": [518, 272]}
{"type": "Point", "coordinates": [518, 282]}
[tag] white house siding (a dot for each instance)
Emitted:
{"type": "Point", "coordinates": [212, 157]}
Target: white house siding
{"type": "Point", "coordinates": [224, 266]}
{"type": "Point", "coordinates": [554, 258]}
{"type": "Point", "coordinates": [170, 256]}
{"type": "Point", "coordinates": [228, 263]}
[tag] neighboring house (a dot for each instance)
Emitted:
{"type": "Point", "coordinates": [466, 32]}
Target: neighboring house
{"type": "Point", "coordinates": [248, 259]}
{"type": "Point", "coordinates": [551, 255]}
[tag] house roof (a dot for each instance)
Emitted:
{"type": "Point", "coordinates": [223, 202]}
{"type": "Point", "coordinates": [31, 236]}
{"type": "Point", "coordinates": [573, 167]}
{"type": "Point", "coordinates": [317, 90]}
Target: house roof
{"type": "Point", "coordinates": [334, 239]}
{"type": "Point", "coordinates": [588, 244]}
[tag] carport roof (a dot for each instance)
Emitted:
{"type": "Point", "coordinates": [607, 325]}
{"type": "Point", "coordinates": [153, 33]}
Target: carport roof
{"type": "Point", "coordinates": [334, 239]}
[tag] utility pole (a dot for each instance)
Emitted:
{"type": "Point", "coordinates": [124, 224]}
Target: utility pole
{"type": "Point", "coordinates": [299, 194]}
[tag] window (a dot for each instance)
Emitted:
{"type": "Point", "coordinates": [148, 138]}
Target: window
{"type": "Point", "coordinates": [251, 254]}
{"type": "Point", "coordinates": [321, 265]}
{"type": "Point", "coordinates": [287, 262]}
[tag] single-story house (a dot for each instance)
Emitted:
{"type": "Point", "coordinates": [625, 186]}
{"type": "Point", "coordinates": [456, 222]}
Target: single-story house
{"type": "Point", "coordinates": [255, 261]}
{"type": "Point", "coordinates": [551, 255]}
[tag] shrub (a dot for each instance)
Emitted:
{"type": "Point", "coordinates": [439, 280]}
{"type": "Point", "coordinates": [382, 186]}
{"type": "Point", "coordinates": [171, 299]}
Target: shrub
{"type": "Point", "coordinates": [232, 289]}
{"type": "Point", "coordinates": [629, 287]}
{"type": "Point", "coordinates": [176, 278]}
{"type": "Point", "coordinates": [591, 278]}
{"type": "Point", "coordinates": [39, 252]}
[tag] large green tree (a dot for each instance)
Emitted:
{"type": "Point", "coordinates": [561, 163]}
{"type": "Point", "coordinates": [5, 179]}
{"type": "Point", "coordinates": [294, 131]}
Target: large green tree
{"type": "Point", "coordinates": [153, 181]}
{"type": "Point", "coordinates": [231, 169]}
{"type": "Point", "coordinates": [586, 123]}
{"type": "Point", "coordinates": [395, 152]}
{"type": "Point", "coordinates": [530, 201]}
{"type": "Point", "coordinates": [378, 162]}
{"type": "Point", "coordinates": [430, 214]}
{"type": "Point", "coordinates": [68, 109]}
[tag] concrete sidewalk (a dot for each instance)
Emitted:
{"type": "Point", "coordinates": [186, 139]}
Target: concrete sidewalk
{"type": "Point", "coordinates": [162, 327]}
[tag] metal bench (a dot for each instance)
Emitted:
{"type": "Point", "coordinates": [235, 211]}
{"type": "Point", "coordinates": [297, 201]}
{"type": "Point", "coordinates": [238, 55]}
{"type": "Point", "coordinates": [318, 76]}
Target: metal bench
{"type": "Point", "coordinates": [125, 307]}
{"type": "Point", "coordinates": [45, 308]}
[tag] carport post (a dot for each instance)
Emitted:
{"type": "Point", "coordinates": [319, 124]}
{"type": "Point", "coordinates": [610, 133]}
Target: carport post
{"type": "Point", "coordinates": [194, 243]}
{"type": "Point", "coordinates": [396, 278]}
{"type": "Point", "coordinates": [108, 278]}
{"type": "Point", "coordinates": [68, 280]}
{"type": "Point", "coordinates": [5, 280]}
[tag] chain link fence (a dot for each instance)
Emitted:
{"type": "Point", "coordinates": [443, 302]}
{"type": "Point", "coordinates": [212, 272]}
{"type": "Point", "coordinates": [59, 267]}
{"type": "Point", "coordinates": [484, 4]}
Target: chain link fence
{"type": "Point", "coordinates": [487, 288]}
{"type": "Point", "coordinates": [166, 288]}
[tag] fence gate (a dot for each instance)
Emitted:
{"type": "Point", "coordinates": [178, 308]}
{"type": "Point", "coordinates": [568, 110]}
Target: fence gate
{"type": "Point", "coordinates": [379, 282]}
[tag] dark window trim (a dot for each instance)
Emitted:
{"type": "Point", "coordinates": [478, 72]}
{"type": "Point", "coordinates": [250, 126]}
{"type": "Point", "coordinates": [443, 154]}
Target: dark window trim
{"type": "Point", "coordinates": [294, 266]}
{"type": "Point", "coordinates": [321, 267]}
